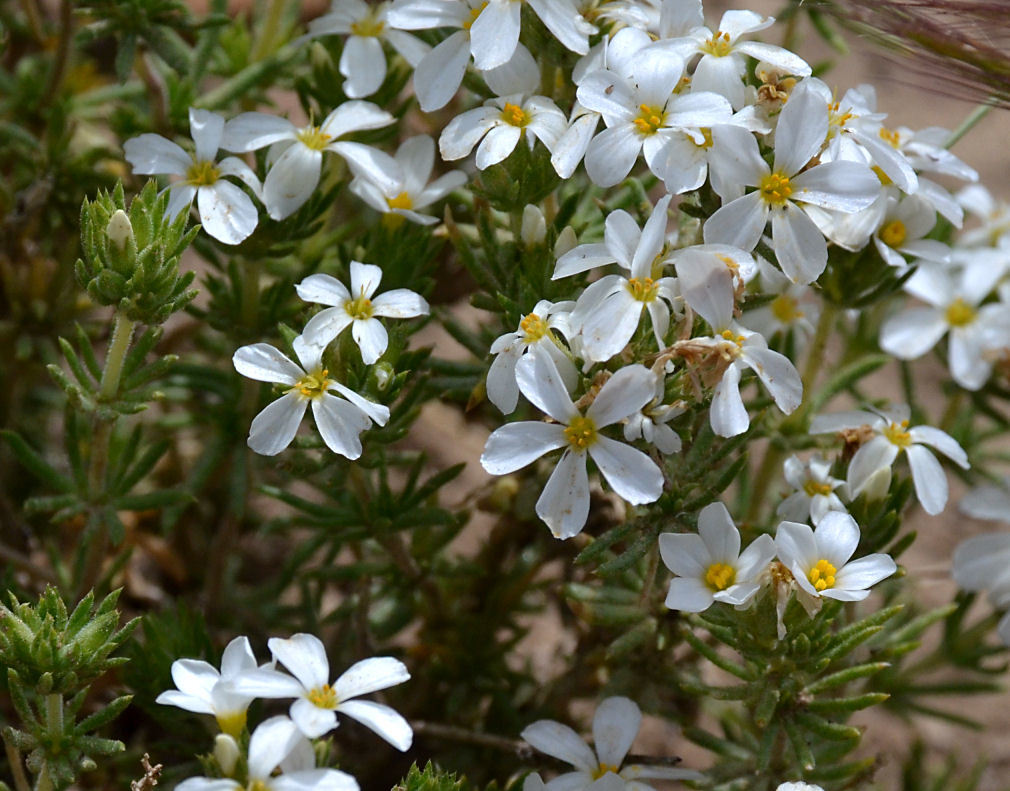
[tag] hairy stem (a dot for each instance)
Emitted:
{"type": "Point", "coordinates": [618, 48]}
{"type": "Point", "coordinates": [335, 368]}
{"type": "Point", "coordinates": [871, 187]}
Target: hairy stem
{"type": "Point", "coordinates": [970, 121]}
{"type": "Point", "coordinates": [17, 768]}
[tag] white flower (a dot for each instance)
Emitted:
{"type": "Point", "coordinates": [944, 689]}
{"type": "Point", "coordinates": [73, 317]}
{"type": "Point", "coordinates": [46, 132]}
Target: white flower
{"type": "Point", "coordinates": [709, 565]}
{"type": "Point", "coordinates": [842, 186]}
{"type": "Point", "coordinates": [650, 422]}
{"type": "Point", "coordinates": [498, 126]}
{"type": "Point", "coordinates": [535, 333]}
{"type": "Point", "coordinates": [819, 558]}
{"type": "Point", "coordinates": [642, 112]}
{"type": "Point", "coordinates": [993, 214]}
{"type": "Point", "coordinates": [399, 185]}
{"type": "Point", "coordinates": [362, 61]}
{"type": "Point", "coordinates": [314, 711]}
{"type": "Point", "coordinates": [270, 746]}
{"type": "Point", "coordinates": [902, 229]}
{"type": "Point", "coordinates": [890, 435]}
{"type": "Point", "coordinates": [564, 503]}
{"type": "Point", "coordinates": [297, 154]}
{"type": "Point", "coordinates": [953, 306]}
{"type": "Point", "coordinates": [615, 726]}
{"type": "Point", "coordinates": [815, 490]}
{"type": "Point", "coordinates": [723, 63]}
{"type": "Point", "coordinates": [982, 563]}
{"type": "Point", "coordinates": [794, 307]}
{"type": "Point", "coordinates": [226, 212]}
{"type": "Point", "coordinates": [798, 786]}
{"type": "Point", "coordinates": [340, 421]}
{"type": "Point", "coordinates": [357, 308]}
{"type": "Point", "coordinates": [609, 311]}
{"type": "Point", "coordinates": [988, 502]}
{"type": "Point", "coordinates": [204, 690]}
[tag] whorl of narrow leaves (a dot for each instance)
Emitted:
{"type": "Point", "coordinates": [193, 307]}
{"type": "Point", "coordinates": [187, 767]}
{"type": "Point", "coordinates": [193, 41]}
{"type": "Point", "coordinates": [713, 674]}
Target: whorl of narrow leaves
{"type": "Point", "coordinates": [131, 258]}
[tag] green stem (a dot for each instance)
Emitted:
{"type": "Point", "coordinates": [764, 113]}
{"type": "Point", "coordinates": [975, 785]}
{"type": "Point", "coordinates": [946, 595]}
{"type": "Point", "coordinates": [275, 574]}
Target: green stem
{"type": "Point", "coordinates": [44, 783]}
{"type": "Point", "coordinates": [17, 768]}
{"type": "Point", "coordinates": [950, 413]}
{"type": "Point", "coordinates": [271, 24]}
{"type": "Point", "coordinates": [971, 121]}
{"type": "Point", "coordinates": [122, 334]}
{"type": "Point", "coordinates": [54, 716]}
{"type": "Point", "coordinates": [62, 54]}
{"type": "Point", "coordinates": [251, 294]}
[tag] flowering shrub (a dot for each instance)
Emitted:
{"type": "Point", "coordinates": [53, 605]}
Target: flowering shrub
{"type": "Point", "coordinates": [677, 260]}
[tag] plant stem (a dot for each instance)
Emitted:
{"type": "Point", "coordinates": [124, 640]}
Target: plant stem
{"type": "Point", "coordinates": [271, 24]}
{"type": "Point", "coordinates": [108, 389]}
{"type": "Point", "coordinates": [970, 121]}
{"type": "Point", "coordinates": [54, 716]}
{"type": "Point", "coordinates": [17, 768]}
{"type": "Point", "coordinates": [62, 54]}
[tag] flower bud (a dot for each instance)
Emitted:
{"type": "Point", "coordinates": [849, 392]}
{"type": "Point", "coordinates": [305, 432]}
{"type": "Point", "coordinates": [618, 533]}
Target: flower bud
{"type": "Point", "coordinates": [567, 240]}
{"type": "Point", "coordinates": [119, 229]}
{"type": "Point", "coordinates": [534, 227]}
{"type": "Point", "coordinates": [226, 753]}
{"type": "Point", "coordinates": [877, 485]}
{"type": "Point", "coordinates": [383, 375]}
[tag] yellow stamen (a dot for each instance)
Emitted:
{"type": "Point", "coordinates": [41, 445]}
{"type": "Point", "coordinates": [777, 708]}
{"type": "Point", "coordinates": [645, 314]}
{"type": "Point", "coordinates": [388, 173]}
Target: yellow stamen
{"type": "Point", "coordinates": [313, 385]}
{"type": "Point", "coordinates": [325, 697]}
{"type": "Point", "coordinates": [474, 13]}
{"type": "Point", "coordinates": [368, 26]}
{"type": "Point", "coordinates": [822, 575]}
{"type": "Point", "coordinates": [258, 785]}
{"type": "Point", "coordinates": [644, 289]}
{"type": "Point", "coordinates": [720, 576]}
{"type": "Point", "coordinates": [890, 136]}
{"type": "Point", "coordinates": [814, 488]}
{"type": "Point", "coordinates": [836, 118]}
{"type": "Point", "coordinates": [959, 313]}
{"type": "Point", "coordinates": [707, 134]}
{"type": "Point", "coordinates": [897, 434]}
{"type": "Point", "coordinates": [360, 308]}
{"type": "Point", "coordinates": [401, 201]}
{"type": "Point", "coordinates": [534, 327]}
{"type": "Point", "coordinates": [882, 176]}
{"type": "Point", "coordinates": [649, 119]}
{"type": "Point", "coordinates": [602, 769]}
{"type": "Point", "coordinates": [718, 45]}
{"type": "Point", "coordinates": [775, 189]}
{"type": "Point", "coordinates": [729, 336]}
{"type": "Point", "coordinates": [202, 174]}
{"type": "Point", "coordinates": [786, 309]}
{"type": "Point", "coordinates": [313, 137]}
{"type": "Point", "coordinates": [894, 233]}
{"type": "Point", "coordinates": [581, 432]}
{"type": "Point", "coordinates": [515, 115]}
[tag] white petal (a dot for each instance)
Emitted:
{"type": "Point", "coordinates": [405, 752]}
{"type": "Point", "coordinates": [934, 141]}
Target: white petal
{"type": "Point", "coordinates": [929, 479]}
{"type": "Point", "coordinates": [802, 128]}
{"type": "Point", "coordinates": [514, 445]}
{"type": "Point", "coordinates": [312, 720]}
{"type": "Point", "coordinates": [622, 395]}
{"type": "Point", "coordinates": [264, 363]}
{"type": "Point", "coordinates": [208, 784]}
{"type": "Point", "coordinates": [865, 572]}
{"type": "Point", "coordinates": [253, 131]}
{"type": "Point", "coordinates": [400, 303]}
{"type": "Point", "coordinates": [582, 258]}
{"type": "Point", "coordinates": [912, 333]}
{"type": "Point", "coordinates": [615, 726]}
{"type": "Point", "coordinates": [153, 154]}
{"type": "Point", "coordinates": [183, 701]}
{"type": "Point", "coordinates": [837, 537]}
{"type": "Point", "coordinates": [685, 554]}
{"type": "Point", "coordinates": [653, 236]}
{"type": "Point", "coordinates": [379, 413]}
{"type": "Point", "coordinates": [716, 528]}
{"type": "Point", "coordinates": [728, 415]}
{"type": "Point", "coordinates": [355, 116]}
{"type": "Point", "coordinates": [439, 74]}
{"type": "Point", "coordinates": [943, 442]}
{"type": "Point", "coordinates": [340, 424]}
{"type": "Point", "coordinates": [559, 741]}
{"type": "Point", "coordinates": [463, 131]}
{"type": "Point", "coordinates": [305, 656]}
{"type": "Point", "coordinates": [273, 429]}
{"type": "Point", "coordinates": [838, 186]}
{"type": "Point", "coordinates": [796, 546]}
{"type": "Point", "coordinates": [180, 197]}
{"type": "Point", "coordinates": [326, 325]}
{"type": "Point", "coordinates": [498, 143]}
{"type": "Point", "coordinates": [800, 248]}
{"type": "Point", "coordinates": [292, 180]}
{"type": "Point", "coordinates": [759, 553]}
{"type": "Point", "coordinates": [495, 34]}
{"type": "Point", "coordinates": [323, 289]}
{"type": "Point", "coordinates": [267, 683]}
{"type": "Point", "coordinates": [544, 387]}
{"type": "Point", "coordinates": [842, 421]}
{"type": "Point", "coordinates": [369, 675]}
{"type": "Point", "coordinates": [739, 223]}
{"type": "Point", "coordinates": [194, 677]}
{"type": "Point", "coordinates": [688, 594]}
{"type": "Point", "coordinates": [778, 374]}
{"type": "Point", "coordinates": [226, 212]}
{"type": "Point", "coordinates": [314, 780]}
{"type": "Point", "coordinates": [607, 329]}
{"type": "Point", "coordinates": [564, 503]}
{"type": "Point", "coordinates": [270, 744]}
{"type": "Point", "coordinates": [567, 25]}
{"type": "Point", "coordinates": [981, 559]}
{"type": "Point", "coordinates": [630, 473]}
{"type": "Point", "coordinates": [707, 286]}
{"type": "Point", "coordinates": [238, 656]}
{"type": "Point", "coordinates": [784, 60]}
{"type": "Point", "coordinates": [382, 719]}
{"type": "Point", "coordinates": [519, 74]}
{"type": "Point", "coordinates": [363, 63]}
{"type": "Point", "coordinates": [502, 390]}
{"type": "Point", "coordinates": [612, 154]}
{"type": "Point", "coordinates": [371, 337]}
{"type": "Point", "coordinates": [207, 129]}
{"type": "Point", "coordinates": [622, 237]}
{"type": "Point", "coordinates": [876, 454]}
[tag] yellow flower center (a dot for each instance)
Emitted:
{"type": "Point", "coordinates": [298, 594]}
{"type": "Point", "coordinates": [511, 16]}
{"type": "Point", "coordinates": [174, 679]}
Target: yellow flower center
{"type": "Point", "coordinates": [959, 313]}
{"type": "Point", "coordinates": [313, 385]}
{"type": "Point", "coordinates": [258, 785]}
{"type": "Point", "coordinates": [775, 189]}
{"type": "Point", "coordinates": [897, 434]}
{"type": "Point", "coordinates": [515, 115]}
{"type": "Point", "coordinates": [231, 723]}
{"type": "Point", "coordinates": [720, 576]}
{"type": "Point", "coordinates": [707, 134]}
{"type": "Point", "coordinates": [325, 697]}
{"type": "Point", "coordinates": [822, 575]}
{"type": "Point", "coordinates": [649, 119]}
{"type": "Point", "coordinates": [644, 289]}
{"type": "Point", "coordinates": [837, 119]}
{"type": "Point", "coordinates": [601, 770]}
{"type": "Point", "coordinates": [894, 233]}
{"type": "Point", "coordinates": [718, 45]}
{"type": "Point", "coordinates": [581, 432]}
{"type": "Point", "coordinates": [534, 328]}
{"type": "Point", "coordinates": [202, 174]}
{"type": "Point", "coordinates": [370, 26]}
{"type": "Point", "coordinates": [401, 201]}
{"type": "Point", "coordinates": [313, 137]}
{"type": "Point", "coordinates": [786, 309]}
{"type": "Point", "coordinates": [474, 13]}
{"type": "Point", "coordinates": [882, 176]}
{"type": "Point", "coordinates": [360, 308]}
{"type": "Point", "coordinates": [814, 488]}
{"type": "Point", "coordinates": [890, 136]}
{"type": "Point", "coordinates": [729, 336]}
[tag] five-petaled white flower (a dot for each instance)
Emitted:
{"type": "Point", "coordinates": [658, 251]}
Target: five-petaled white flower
{"type": "Point", "coordinates": [615, 726]}
{"type": "Point", "coordinates": [297, 154]}
{"type": "Point", "coordinates": [815, 490]}
{"type": "Point", "coordinates": [204, 690]}
{"type": "Point", "coordinates": [709, 566]}
{"type": "Point", "coordinates": [649, 423]}
{"type": "Point", "coordinates": [226, 212]}
{"type": "Point", "coordinates": [782, 189]}
{"type": "Point", "coordinates": [270, 746]}
{"type": "Point", "coordinates": [340, 420]}
{"type": "Point", "coordinates": [319, 700]}
{"type": "Point", "coordinates": [357, 308]}
{"type": "Point", "coordinates": [889, 435]}
{"type": "Point", "coordinates": [819, 558]}
{"type": "Point", "coordinates": [564, 503]}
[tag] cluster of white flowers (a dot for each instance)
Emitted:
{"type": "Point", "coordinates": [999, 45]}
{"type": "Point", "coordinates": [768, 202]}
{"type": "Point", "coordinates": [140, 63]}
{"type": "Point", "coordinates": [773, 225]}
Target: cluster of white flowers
{"type": "Point", "coordinates": [281, 742]}
{"type": "Point", "coordinates": [341, 414]}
